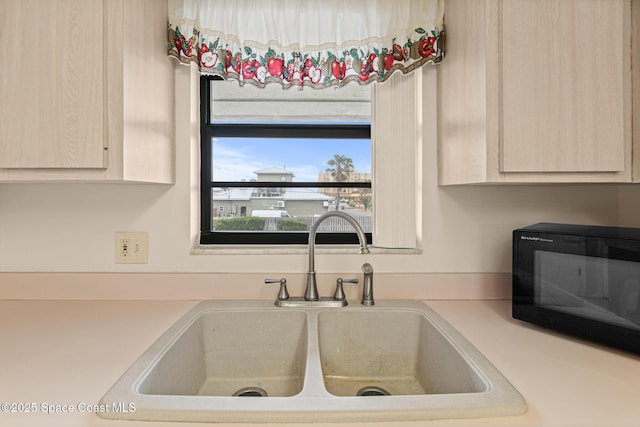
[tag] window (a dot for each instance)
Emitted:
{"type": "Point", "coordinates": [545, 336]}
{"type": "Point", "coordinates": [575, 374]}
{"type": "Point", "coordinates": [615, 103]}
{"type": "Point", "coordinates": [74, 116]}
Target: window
{"type": "Point", "coordinates": [274, 160]}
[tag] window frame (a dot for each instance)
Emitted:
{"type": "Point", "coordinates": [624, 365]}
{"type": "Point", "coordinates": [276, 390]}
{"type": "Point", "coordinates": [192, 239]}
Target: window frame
{"type": "Point", "coordinates": [209, 130]}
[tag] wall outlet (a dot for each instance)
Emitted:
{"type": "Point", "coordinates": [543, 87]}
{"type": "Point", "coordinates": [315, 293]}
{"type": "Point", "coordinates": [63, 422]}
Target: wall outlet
{"type": "Point", "coordinates": [132, 247]}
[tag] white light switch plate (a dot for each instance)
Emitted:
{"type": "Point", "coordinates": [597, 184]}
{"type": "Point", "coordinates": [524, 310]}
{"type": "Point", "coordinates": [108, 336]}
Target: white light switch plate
{"type": "Point", "coordinates": [132, 247]}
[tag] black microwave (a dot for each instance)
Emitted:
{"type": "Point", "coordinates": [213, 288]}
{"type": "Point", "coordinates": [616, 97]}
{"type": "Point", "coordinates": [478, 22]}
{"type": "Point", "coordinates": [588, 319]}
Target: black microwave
{"type": "Point", "coordinates": [580, 280]}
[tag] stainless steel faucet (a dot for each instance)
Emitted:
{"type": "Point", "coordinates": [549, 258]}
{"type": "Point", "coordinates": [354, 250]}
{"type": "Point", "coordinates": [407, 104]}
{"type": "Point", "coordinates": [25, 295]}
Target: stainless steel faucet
{"type": "Point", "coordinates": [311, 292]}
{"type": "Point", "coordinates": [311, 297]}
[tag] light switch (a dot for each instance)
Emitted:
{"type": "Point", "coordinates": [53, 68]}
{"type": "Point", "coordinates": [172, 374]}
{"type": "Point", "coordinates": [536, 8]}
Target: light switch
{"type": "Point", "coordinates": [132, 247]}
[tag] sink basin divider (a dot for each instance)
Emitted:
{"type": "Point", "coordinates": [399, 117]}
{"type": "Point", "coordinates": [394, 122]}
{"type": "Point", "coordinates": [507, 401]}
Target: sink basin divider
{"type": "Point", "coordinates": [313, 380]}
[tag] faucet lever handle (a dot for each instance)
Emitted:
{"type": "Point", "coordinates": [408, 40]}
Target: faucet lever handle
{"type": "Point", "coordinates": [283, 294]}
{"type": "Point", "coordinates": [339, 293]}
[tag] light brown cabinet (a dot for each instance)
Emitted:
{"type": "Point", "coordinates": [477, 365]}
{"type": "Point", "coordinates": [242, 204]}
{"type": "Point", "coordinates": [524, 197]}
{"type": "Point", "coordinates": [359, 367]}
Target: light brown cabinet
{"type": "Point", "coordinates": [536, 91]}
{"type": "Point", "coordinates": [52, 97]}
{"type": "Point", "coordinates": [86, 91]}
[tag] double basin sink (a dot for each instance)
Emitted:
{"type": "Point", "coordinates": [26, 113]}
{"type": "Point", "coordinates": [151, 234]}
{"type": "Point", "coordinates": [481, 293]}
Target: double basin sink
{"type": "Point", "coordinates": [250, 361]}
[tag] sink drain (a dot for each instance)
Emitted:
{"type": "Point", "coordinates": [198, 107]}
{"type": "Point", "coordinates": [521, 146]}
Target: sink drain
{"type": "Point", "coordinates": [372, 391]}
{"type": "Point", "coordinates": [251, 392]}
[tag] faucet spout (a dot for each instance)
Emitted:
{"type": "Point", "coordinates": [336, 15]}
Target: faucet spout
{"type": "Point", "coordinates": [311, 291]}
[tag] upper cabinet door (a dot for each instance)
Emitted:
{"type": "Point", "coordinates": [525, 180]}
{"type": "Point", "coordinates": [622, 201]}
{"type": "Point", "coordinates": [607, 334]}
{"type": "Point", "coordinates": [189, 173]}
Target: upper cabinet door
{"type": "Point", "coordinates": [52, 78]}
{"type": "Point", "coordinates": [565, 81]}
{"type": "Point", "coordinates": [537, 91]}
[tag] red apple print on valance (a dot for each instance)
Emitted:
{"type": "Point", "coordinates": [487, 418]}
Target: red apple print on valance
{"type": "Point", "coordinates": [322, 44]}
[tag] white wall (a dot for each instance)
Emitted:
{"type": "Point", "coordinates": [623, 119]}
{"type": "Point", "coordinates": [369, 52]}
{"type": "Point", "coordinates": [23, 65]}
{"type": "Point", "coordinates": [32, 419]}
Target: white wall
{"type": "Point", "coordinates": [630, 205]}
{"type": "Point", "coordinates": [70, 227]}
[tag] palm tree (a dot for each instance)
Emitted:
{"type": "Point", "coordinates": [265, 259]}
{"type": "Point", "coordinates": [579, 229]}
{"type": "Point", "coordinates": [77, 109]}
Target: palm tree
{"type": "Point", "coordinates": [340, 167]}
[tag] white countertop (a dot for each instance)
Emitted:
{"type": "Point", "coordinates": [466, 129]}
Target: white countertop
{"type": "Point", "coordinates": [69, 353]}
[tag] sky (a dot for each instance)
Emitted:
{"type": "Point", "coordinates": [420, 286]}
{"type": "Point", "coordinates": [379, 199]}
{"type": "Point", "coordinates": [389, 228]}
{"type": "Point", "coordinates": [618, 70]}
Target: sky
{"type": "Point", "coordinates": [235, 159]}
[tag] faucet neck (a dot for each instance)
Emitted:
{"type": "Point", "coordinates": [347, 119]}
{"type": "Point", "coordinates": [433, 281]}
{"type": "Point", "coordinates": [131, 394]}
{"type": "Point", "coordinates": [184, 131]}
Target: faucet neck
{"type": "Point", "coordinates": [364, 249]}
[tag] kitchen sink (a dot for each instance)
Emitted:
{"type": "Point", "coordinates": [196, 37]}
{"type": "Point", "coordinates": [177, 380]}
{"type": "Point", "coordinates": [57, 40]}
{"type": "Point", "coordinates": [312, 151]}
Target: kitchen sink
{"type": "Point", "coordinates": [400, 352]}
{"type": "Point", "coordinates": [249, 361]}
{"type": "Point", "coordinates": [222, 353]}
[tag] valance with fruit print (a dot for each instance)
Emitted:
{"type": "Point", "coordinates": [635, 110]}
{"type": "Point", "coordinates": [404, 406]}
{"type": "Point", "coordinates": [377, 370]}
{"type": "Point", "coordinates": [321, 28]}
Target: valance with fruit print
{"type": "Point", "coordinates": [306, 42]}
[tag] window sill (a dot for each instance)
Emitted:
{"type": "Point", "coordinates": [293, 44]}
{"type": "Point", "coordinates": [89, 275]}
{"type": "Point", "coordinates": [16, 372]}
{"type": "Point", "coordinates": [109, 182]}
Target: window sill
{"type": "Point", "coordinates": [294, 250]}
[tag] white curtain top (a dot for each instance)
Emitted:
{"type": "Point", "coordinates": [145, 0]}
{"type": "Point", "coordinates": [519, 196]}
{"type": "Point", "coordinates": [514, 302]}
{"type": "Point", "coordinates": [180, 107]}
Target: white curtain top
{"type": "Point", "coordinates": [306, 42]}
